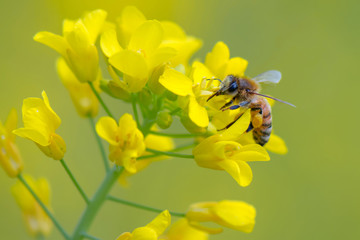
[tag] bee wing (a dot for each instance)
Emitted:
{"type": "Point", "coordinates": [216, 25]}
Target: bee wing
{"type": "Point", "coordinates": [272, 76]}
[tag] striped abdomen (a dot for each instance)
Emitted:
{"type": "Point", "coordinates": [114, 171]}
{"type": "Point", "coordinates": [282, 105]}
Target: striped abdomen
{"type": "Point", "coordinates": [262, 129]}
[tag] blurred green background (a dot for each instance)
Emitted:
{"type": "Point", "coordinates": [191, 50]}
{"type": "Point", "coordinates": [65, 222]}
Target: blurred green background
{"type": "Point", "coordinates": [310, 193]}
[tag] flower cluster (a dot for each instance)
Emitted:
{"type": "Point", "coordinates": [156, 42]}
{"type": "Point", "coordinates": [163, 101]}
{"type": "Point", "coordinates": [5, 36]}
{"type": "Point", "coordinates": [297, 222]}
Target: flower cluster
{"type": "Point", "coordinates": [149, 62]}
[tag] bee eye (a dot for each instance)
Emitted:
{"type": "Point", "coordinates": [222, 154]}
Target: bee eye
{"type": "Point", "coordinates": [233, 87]}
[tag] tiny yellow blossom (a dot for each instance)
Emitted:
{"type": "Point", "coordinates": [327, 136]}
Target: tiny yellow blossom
{"type": "Point", "coordinates": [155, 142]}
{"type": "Point", "coordinates": [236, 215]}
{"type": "Point", "coordinates": [10, 158]}
{"type": "Point", "coordinates": [181, 230]}
{"type": "Point", "coordinates": [77, 45]}
{"type": "Point", "coordinates": [36, 219]}
{"type": "Point", "coordinates": [126, 141]}
{"type": "Point", "coordinates": [275, 144]}
{"type": "Point", "coordinates": [221, 152]}
{"type": "Point", "coordinates": [152, 231]}
{"type": "Point", "coordinates": [84, 99]}
{"type": "Point", "coordinates": [40, 122]}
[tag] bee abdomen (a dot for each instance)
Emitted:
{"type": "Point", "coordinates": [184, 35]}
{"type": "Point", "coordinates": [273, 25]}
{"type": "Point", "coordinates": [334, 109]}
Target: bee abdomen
{"type": "Point", "coordinates": [262, 134]}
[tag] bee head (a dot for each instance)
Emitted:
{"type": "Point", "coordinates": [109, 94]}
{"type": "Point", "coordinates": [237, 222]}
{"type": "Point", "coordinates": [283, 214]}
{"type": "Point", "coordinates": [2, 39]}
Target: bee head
{"type": "Point", "coordinates": [227, 87]}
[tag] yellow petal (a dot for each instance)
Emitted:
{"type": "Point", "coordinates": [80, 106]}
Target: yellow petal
{"type": "Point", "coordinates": [54, 41]}
{"type": "Point", "coordinates": [197, 113]}
{"type": "Point", "coordinates": [176, 82]}
{"type": "Point", "coordinates": [251, 152]}
{"type": "Point", "coordinates": [144, 233]}
{"type": "Point", "coordinates": [236, 66]}
{"type": "Point", "coordinates": [181, 230]}
{"type": "Point", "coordinates": [245, 174]}
{"type": "Point", "coordinates": [131, 18]}
{"type": "Point", "coordinates": [206, 229]}
{"type": "Point", "coordinates": [34, 135]}
{"type": "Point", "coordinates": [161, 222]}
{"type": "Point", "coordinates": [200, 71]}
{"type": "Point", "coordinates": [276, 145]}
{"type": "Point", "coordinates": [161, 55]}
{"type": "Point", "coordinates": [94, 22]}
{"type": "Point", "coordinates": [172, 31]}
{"type": "Point", "coordinates": [130, 63]}
{"type": "Point", "coordinates": [147, 37]}
{"type": "Point", "coordinates": [232, 168]}
{"type": "Point", "coordinates": [79, 38]}
{"type": "Point", "coordinates": [53, 117]}
{"type": "Point", "coordinates": [236, 215]}
{"type": "Point", "coordinates": [217, 58]}
{"type": "Point", "coordinates": [107, 128]}
{"type": "Point", "coordinates": [109, 43]}
{"type": "Point", "coordinates": [68, 26]}
{"type": "Point", "coordinates": [238, 128]}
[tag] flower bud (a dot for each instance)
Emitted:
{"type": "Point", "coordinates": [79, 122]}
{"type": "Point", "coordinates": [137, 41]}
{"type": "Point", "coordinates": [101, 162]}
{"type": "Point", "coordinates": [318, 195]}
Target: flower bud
{"type": "Point", "coordinates": [164, 119]}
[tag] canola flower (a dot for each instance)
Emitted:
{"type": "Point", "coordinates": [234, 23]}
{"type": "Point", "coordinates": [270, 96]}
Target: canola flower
{"type": "Point", "coordinates": [149, 62]}
{"type": "Point", "coordinates": [10, 158]}
{"type": "Point", "coordinates": [40, 123]}
{"type": "Point", "coordinates": [36, 220]}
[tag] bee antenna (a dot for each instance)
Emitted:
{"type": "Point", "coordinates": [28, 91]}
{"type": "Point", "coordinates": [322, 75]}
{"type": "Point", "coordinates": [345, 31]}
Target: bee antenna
{"type": "Point", "coordinates": [213, 79]}
{"type": "Point", "coordinates": [276, 99]}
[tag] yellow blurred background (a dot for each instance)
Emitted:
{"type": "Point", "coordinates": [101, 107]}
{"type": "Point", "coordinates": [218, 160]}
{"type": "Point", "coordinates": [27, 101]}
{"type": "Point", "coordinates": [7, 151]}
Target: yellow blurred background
{"type": "Point", "coordinates": [310, 193]}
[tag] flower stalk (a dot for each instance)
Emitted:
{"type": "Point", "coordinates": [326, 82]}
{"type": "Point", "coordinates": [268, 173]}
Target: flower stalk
{"type": "Point", "coordinates": [77, 185]}
{"type": "Point", "coordinates": [144, 207]}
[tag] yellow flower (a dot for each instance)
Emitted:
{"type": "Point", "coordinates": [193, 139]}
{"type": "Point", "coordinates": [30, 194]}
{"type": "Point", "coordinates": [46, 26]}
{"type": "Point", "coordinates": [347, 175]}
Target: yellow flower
{"type": "Point", "coordinates": [77, 45]}
{"type": "Point", "coordinates": [40, 122]}
{"type": "Point", "coordinates": [181, 230]}
{"type": "Point", "coordinates": [152, 141]}
{"type": "Point", "coordinates": [221, 152]}
{"type": "Point", "coordinates": [138, 56]}
{"type": "Point", "coordinates": [152, 231]}
{"type": "Point", "coordinates": [144, 46]}
{"type": "Point", "coordinates": [231, 214]}
{"type": "Point", "coordinates": [10, 158]}
{"type": "Point", "coordinates": [126, 140]}
{"type": "Point", "coordinates": [36, 219]}
{"type": "Point", "coordinates": [84, 99]}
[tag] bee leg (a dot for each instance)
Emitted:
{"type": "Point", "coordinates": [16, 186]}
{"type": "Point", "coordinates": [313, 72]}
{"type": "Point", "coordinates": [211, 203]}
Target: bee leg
{"type": "Point", "coordinates": [242, 104]}
{"type": "Point", "coordinates": [230, 124]}
{"type": "Point", "coordinates": [228, 103]}
{"type": "Point", "coordinates": [250, 127]}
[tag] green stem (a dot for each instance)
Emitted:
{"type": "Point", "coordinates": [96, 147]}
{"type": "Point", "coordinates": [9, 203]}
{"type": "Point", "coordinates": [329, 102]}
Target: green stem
{"type": "Point", "coordinates": [96, 202]}
{"type": "Point", "coordinates": [101, 147]}
{"type": "Point", "coordinates": [176, 110]}
{"type": "Point", "coordinates": [136, 205]}
{"type": "Point", "coordinates": [88, 236]}
{"type": "Point", "coordinates": [175, 135]}
{"type": "Point", "coordinates": [178, 149]}
{"type": "Point", "coordinates": [172, 154]}
{"type": "Point", "coordinates": [100, 100]}
{"type": "Point", "coordinates": [42, 205]}
{"type": "Point", "coordinates": [133, 103]}
{"type": "Point", "coordinates": [77, 185]}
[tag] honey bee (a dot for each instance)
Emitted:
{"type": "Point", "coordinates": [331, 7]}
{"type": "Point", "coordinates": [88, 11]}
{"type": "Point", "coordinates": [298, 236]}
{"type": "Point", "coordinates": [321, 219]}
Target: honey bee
{"type": "Point", "coordinates": [245, 94]}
